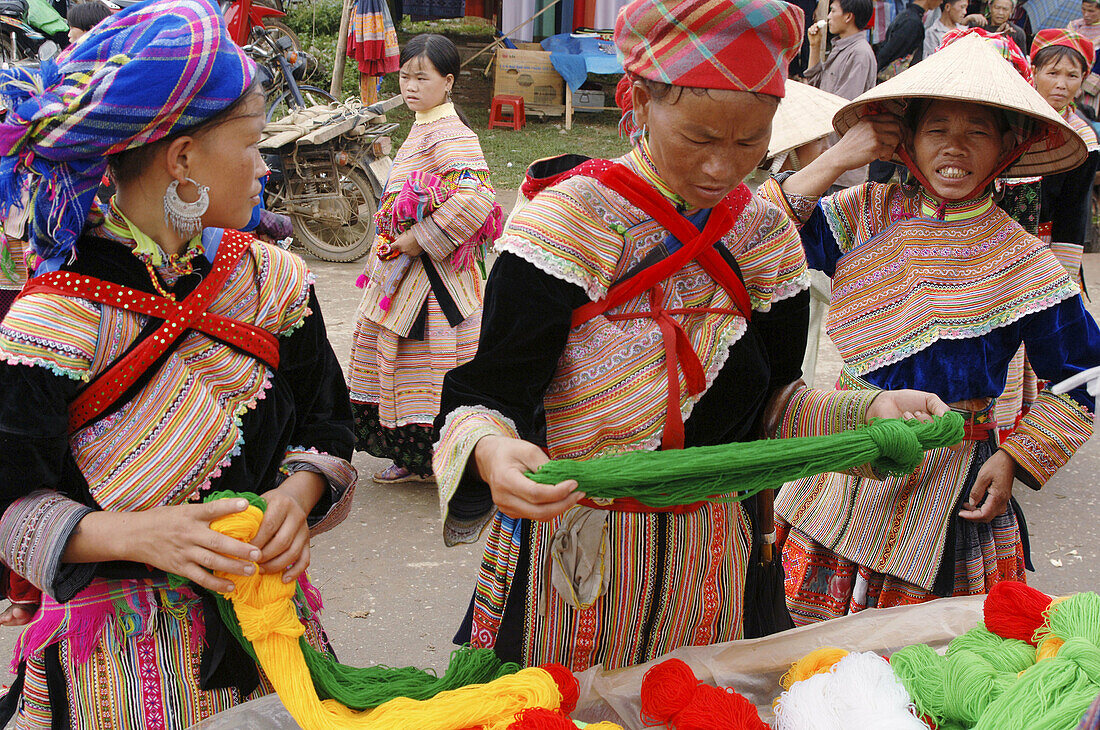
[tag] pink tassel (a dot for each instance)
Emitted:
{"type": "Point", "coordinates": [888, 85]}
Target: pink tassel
{"type": "Point", "coordinates": [362, 281]}
{"type": "Point", "coordinates": [53, 622]}
{"type": "Point", "coordinates": [385, 303]}
{"type": "Point", "coordinates": [313, 596]}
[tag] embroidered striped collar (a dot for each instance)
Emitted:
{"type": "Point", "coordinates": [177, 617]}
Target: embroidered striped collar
{"type": "Point", "coordinates": [641, 161]}
{"type": "Point", "coordinates": [956, 212]}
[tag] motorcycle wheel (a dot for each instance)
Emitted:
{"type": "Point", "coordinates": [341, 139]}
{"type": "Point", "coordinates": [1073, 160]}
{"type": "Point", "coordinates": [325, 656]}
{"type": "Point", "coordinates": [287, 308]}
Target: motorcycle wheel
{"type": "Point", "coordinates": [283, 104]}
{"type": "Point", "coordinates": [340, 244]}
{"type": "Point", "coordinates": [275, 29]}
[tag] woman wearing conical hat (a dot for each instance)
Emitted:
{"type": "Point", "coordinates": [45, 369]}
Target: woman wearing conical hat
{"type": "Point", "coordinates": [935, 287]}
{"type": "Point", "coordinates": [603, 332]}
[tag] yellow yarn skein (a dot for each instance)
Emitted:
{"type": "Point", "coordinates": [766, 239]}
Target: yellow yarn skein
{"type": "Point", "coordinates": [269, 621]}
{"type": "Point", "coordinates": [817, 661]}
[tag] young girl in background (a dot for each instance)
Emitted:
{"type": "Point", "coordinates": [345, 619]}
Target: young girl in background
{"type": "Point", "coordinates": [421, 309]}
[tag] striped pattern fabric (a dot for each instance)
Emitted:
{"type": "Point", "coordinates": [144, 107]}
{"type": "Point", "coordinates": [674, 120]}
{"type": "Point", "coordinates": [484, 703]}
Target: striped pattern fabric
{"type": "Point", "coordinates": [652, 605]}
{"type": "Point", "coordinates": [439, 144]}
{"type": "Point", "coordinates": [1082, 128]}
{"type": "Point", "coordinates": [33, 532]}
{"type": "Point", "coordinates": [372, 39]}
{"type": "Point", "coordinates": [896, 526]}
{"type": "Point", "coordinates": [494, 578]}
{"type": "Point", "coordinates": [153, 69]}
{"type": "Point", "coordinates": [743, 45]}
{"type": "Point", "coordinates": [404, 377]}
{"type": "Point", "coordinates": [610, 391]}
{"type": "Point", "coordinates": [822, 585]}
{"type": "Point", "coordinates": [132, 459]}
{"type": "Point", "coordinates": [461, 431]}
{"type": "Point", "coordinates": [905, 282]}
{"type": "Point", "coordinates": [1049, 434]}
{"type": "Point", "coordinates": [137, 677]}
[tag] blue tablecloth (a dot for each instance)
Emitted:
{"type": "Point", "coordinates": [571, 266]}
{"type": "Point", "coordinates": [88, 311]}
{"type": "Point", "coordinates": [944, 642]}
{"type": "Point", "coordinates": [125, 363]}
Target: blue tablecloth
{"type": "Point", "coordinates": [576, 56]}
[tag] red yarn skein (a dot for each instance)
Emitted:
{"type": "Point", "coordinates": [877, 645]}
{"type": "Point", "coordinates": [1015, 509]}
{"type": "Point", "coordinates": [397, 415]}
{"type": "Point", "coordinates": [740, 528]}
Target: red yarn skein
{"type": "Point", "coordinates": [672, 696]}
{"type": "Point", "coordinates": [667, 688]}
{"type": "Point", "coordinates": [539, 718]}
{"type": "Point", "coordinates": [1014, 610]}
{"type": "Point", "coordinates": [717, 708]}
{"type": "Point", "coordinates": [567, 685]}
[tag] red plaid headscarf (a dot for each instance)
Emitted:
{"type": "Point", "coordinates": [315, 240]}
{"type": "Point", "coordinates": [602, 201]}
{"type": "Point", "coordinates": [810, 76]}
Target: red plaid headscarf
{"type": "Point", "coordinates": [1067, 38]}
{"type": "Point", "coordinates": [741, 45]}
{"type": "Point", "coordinates": [1004, 45]}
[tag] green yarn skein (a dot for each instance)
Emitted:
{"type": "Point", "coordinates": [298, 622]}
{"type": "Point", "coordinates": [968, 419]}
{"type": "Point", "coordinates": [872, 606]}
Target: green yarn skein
{"type": "Point", "coordinates": [956, 689]}
{"type": "Point", "coordinates": [732, 472]}
{"type": "Point", "coordinates": [364, 688]}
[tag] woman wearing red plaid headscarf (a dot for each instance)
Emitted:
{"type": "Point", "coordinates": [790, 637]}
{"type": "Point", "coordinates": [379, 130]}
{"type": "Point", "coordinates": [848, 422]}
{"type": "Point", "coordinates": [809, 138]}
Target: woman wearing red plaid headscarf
{"type": "Point", "coordinates": [648, 302]}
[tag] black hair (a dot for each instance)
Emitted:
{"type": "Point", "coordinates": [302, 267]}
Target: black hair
{"type": "Point", "coordinates": [915, 109]}
{"type": "Point", "coordinates": [86, 15]}
{"type": "Point", "coordinates": [441, 53]}
{"type": "Point", "coordinates": [129, 164]}
{"type": "Point", "coordinates": [1051, 55]}
{"type": "Point", "coordinates": [861, 10]}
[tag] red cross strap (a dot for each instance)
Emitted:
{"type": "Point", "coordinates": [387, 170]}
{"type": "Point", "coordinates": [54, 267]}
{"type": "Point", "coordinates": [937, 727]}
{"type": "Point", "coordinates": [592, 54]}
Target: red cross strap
{"type": "Point", "coordinates": [696, 245]}
{"type": "Point", "coordinates": [178, 318]}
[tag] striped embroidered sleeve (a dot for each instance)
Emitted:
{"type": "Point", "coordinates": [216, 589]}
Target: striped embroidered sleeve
{"type": "Point", "coordinates": [1045, 439]}
{"type": "Point", "coordinates": [562, 233]}
{"type": "Point", "coordinates": [459, 435]}
{"type": "Point", "coordinates": [459, 217]}
{"type": "Point", "coordinates": [285, 281]}
{"type": "Point", "coordinates": [51, 331]}
{"type": "Point", "coordinates": [34, 531]}
{"type": "Point", "coordinates": [813, 412]}
{"type": "Point", "coordinates": [769, 254]}
{"type": "Point", "coordinates": [341, 477]}
{"type": "Point", "coordinates": [796, 207]}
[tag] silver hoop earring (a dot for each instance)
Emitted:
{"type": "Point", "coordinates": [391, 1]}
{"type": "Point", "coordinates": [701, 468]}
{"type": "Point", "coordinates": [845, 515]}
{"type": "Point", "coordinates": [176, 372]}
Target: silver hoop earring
{"type": "Point", "coordinates": [184, 217]}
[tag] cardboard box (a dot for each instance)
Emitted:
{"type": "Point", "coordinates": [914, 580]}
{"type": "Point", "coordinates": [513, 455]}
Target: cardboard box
{"type": "Point", "coordinates": [528, 73]}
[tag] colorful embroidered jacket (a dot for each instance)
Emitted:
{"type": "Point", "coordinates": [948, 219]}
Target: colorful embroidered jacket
{"type": "Point", "coordinates": [941, 306]}
{"type": "Point", "coordinates": [440, 144]}
{"type": "Point", "coordinates": [211, 418]}
{"type": "Point", "coordinates": [602, 387]}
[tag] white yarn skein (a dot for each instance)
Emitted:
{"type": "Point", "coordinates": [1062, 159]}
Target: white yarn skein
{"type": "Point", "coordinates": [860, 691]}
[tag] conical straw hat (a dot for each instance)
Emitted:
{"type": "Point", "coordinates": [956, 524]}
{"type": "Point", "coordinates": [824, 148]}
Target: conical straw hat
{"type": "Point", "coordinates": [805, 114]}
{"type": "Point", "coordinates": [971, 70]}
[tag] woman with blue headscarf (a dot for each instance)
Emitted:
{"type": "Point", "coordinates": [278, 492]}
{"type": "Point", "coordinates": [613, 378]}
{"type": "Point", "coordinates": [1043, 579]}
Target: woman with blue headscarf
{"type": "Point", "coordinates": [147, 366]}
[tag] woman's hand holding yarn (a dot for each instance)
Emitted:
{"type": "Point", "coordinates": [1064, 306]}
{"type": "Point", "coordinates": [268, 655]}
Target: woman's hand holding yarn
{"type": "Point", "coordinates": [283, 536]}
{"type": "Point", "coordinates": [503, 463]}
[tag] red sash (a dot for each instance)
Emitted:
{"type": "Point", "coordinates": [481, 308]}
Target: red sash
{"type": "Point", "coordinates": [696, 245]}
{"type": "Point", "coordinates": [177, 319]}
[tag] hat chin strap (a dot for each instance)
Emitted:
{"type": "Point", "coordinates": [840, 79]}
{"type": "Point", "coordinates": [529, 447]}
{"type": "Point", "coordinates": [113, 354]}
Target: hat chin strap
{"type": "Point", "coordinates": [941, 209]}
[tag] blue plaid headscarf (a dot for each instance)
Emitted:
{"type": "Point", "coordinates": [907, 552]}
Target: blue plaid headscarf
{"type": "Point", "coordinates": [154, 69]}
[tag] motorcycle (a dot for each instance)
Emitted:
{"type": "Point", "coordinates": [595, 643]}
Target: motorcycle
{"type": "Point", "coordinates": [19, 40]}
{"type": "Point", "coordinates": [243, 18]}
{"type": "Point", "coordinates": [281, 67]}
{"type": "Point", "coordinates": [329, 165]}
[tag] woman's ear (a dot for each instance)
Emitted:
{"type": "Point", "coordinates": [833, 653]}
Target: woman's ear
{"type": "Point", "coordinates": [450, 82]}
{"type": "Point", "coordinates": [1008, 143]}
{"type": "Point", "coordinates": [179, 157]}
{"type": "Point", "coordinates": [641, 99]}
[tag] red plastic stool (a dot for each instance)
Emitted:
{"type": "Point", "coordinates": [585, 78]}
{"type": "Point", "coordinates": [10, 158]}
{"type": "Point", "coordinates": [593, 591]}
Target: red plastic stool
{"type": "Point", "coordinates": [497, 118]}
